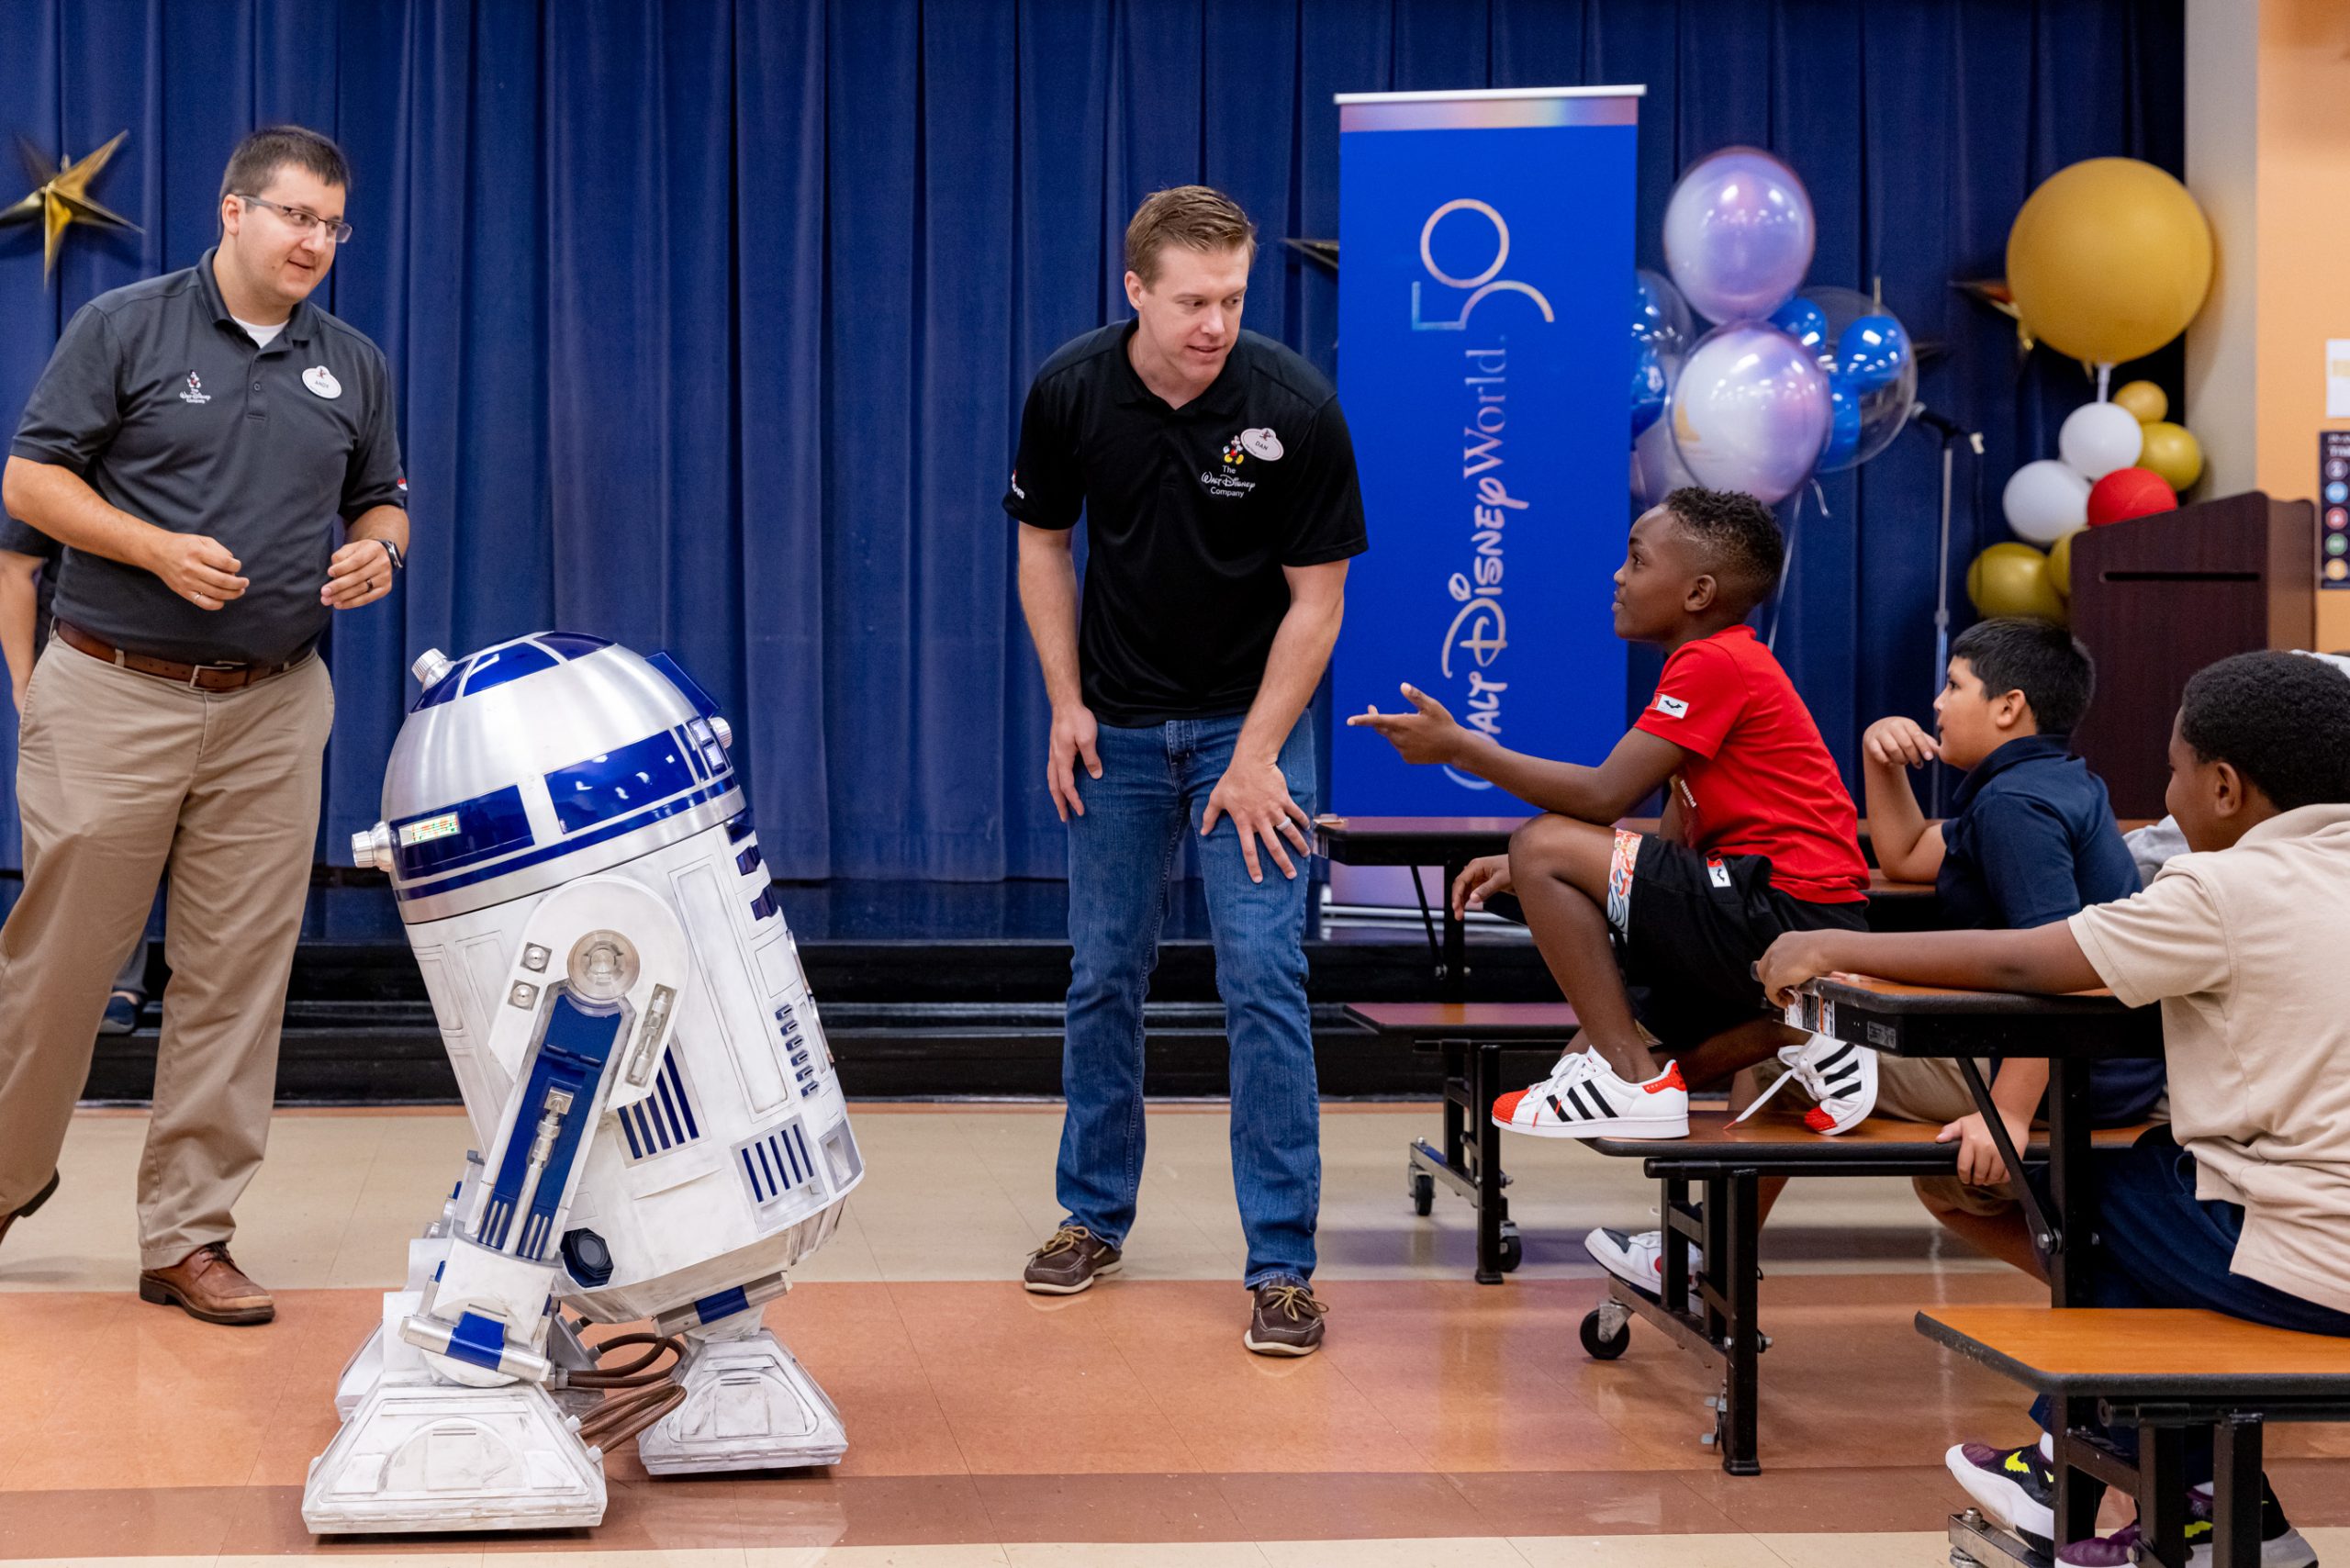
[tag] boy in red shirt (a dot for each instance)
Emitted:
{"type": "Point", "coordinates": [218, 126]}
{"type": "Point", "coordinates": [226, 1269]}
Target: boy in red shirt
{"type": "Point", "coordinates": [1759, 838]}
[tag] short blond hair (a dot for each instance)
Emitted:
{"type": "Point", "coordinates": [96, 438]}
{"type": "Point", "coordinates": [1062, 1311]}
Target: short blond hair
{"type": "Point", "coordinates": [1194, 217]}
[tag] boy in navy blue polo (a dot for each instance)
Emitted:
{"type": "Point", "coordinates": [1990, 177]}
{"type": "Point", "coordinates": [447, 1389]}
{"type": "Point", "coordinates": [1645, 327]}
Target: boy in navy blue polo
{"type": "Point", "coordinates": [2030, 840]}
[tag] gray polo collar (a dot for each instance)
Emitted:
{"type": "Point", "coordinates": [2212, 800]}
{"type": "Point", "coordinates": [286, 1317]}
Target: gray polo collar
{"type": "Point", "coordinates": [298, 325]}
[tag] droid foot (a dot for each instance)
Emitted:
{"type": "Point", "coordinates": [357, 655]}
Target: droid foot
{"type": "Point", "coordinates": [749, 1405]}
{"type": "Point", "coordinates": [440, 1457]}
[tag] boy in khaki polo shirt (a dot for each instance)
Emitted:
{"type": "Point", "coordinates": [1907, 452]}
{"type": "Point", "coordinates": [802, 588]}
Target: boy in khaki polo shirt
{"type": "Point", "coordinates": [2241, 1205]}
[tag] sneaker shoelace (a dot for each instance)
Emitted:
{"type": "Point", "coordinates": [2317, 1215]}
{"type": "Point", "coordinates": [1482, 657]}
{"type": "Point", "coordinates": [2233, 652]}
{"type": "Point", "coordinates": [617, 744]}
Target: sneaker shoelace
{"type": "Point", "coordinates": [1065, 1239]}
{"type": "Point", "coordinates": [1295, 1302]}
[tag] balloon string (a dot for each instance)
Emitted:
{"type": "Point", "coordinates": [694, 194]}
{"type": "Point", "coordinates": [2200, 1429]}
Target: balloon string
{"type": "Point", "coordinates": [1787, 567]}
{"type": "Point", "coordinates": [2104, 378]}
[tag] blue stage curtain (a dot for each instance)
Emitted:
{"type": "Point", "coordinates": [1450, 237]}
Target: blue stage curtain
{"type": "Point", "coordinates": [710, 320]}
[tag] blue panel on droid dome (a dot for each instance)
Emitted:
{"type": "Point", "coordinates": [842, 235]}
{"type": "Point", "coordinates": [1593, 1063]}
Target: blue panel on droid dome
{"type": "Point", "coordinates": [478, 829]}
{"type": "Point", "coordinates": [571, 645]}
{"type": "Point", "coordinates": [619, 782]}
{"type": "Point", "coordinates": [511, 662]}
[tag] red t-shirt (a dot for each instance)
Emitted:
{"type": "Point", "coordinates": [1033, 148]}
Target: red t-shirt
{"type": "Point", "coordinates": [1759, 780]}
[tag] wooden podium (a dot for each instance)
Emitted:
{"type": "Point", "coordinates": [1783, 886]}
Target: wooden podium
{"type": "Point", "coordinates": [2158, 598]}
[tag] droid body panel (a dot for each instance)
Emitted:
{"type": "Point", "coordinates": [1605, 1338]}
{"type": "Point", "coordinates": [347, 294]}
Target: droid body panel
{"type": "Point", "coordinates": [632, 1032]}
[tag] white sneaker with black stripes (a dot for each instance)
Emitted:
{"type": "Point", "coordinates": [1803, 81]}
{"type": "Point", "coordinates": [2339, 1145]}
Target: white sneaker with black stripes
{"type": "Point", "coordinates": [1841, 1075]}
{"type": "Point", "coordinates": [1637, 1257]}
{"type": "Point", "coordinates": [1584, 1098]}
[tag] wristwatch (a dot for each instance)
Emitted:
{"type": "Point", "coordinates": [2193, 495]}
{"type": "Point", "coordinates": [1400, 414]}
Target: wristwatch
{"type": "Point", "coordinates": [392, 554]}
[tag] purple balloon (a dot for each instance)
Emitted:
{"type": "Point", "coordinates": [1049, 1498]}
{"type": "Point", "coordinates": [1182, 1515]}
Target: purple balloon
{"type": "Point", "coordinates": [1750, 411]}
{"type": "Point", "coordinates": [1738, 234]}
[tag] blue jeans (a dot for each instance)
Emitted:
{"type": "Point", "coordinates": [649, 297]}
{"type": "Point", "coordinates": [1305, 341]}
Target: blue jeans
{"type": "Point", "coordinates": [1153, 789]}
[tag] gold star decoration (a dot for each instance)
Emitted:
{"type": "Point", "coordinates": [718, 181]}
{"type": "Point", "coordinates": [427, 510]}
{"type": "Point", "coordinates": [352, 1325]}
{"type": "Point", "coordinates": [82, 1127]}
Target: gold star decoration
{"type": "Point", "coordinates": [62, 196]}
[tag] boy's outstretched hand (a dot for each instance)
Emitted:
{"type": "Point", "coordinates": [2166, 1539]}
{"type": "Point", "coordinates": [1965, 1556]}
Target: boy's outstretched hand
{"type": "Point", "coordinates": [1481, 878]}
{"type": "Point", "coordinates": [1899, 741]}
{"type": "Point", "coordinates": [1425, 735]}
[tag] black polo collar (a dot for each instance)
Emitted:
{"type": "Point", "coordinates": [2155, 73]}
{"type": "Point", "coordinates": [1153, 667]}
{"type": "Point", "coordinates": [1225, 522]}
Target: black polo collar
{"type": "Point", "coordinates": [298, 325]}
{"type": "Point", "coordinates": [1225, 395]}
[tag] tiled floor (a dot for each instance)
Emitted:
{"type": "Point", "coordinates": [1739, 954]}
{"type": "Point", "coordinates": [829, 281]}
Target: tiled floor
{"type": "Point", "coordinates": [1446, 1423]}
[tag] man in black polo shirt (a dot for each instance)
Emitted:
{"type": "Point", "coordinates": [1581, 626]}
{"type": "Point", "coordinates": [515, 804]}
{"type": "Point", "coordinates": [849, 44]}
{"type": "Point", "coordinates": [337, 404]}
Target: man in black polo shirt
{"type": "Point", "coordinates": [1214, 472]}
{"type": "Point", "coordinates": [191, 445]}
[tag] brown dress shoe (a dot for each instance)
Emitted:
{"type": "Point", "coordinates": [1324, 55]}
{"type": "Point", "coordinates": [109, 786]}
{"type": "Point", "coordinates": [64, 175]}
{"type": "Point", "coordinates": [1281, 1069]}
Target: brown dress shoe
{"type": "Point", "coordinates": [208, 1285]}
{"type": "Point", "coordinates": [13, 1215]}
{"type": "Point", "coordinates": [1069, 1262]}
{"type": "Point", "coordinates": [1285, 1320]}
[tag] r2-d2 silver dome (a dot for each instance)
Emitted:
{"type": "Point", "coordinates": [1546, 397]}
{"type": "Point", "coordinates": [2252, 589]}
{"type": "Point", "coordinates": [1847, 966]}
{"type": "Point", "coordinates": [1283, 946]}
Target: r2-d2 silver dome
{"type": "Point", "coordinates": [638, 1053]}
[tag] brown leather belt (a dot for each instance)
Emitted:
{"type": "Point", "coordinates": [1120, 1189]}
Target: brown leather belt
{"type": "Point", "coordinates": [202, 677]}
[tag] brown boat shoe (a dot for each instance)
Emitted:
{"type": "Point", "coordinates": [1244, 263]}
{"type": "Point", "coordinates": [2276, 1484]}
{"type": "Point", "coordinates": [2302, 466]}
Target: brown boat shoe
{"type": "Point", "coordinates": [1285, 1320]}
{"type": "Point", "coordinates": [35, 1201]}
{"type": "Point", "coordinates": [208, 1285]}
{"type": "Point", "coordinates": [1069, 1262]}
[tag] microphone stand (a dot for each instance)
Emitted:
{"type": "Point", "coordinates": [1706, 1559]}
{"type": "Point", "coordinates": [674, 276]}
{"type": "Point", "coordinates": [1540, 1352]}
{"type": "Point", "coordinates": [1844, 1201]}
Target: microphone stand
{"type": "Point", "coordinates": [1952, 435]}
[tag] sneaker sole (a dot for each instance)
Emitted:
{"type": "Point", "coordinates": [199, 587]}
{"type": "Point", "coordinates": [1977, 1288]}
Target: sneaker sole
{"type": "Point", "coordinates": [162, 1295]}
{"type": "Point", "coordinates": [1274, 1347]}
{"type": "Point", "coordinates": [1038, 1287]}
{"type": "Point", "coordinates": [2004, 1502]}
{"type": "Point", "coordinates": [1617, 1127]}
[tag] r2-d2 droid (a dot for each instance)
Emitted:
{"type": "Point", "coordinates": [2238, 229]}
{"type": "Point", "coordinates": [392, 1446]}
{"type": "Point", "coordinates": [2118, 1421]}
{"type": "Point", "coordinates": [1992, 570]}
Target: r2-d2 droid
{"type": "Point", "coordinates": [636, 1046]}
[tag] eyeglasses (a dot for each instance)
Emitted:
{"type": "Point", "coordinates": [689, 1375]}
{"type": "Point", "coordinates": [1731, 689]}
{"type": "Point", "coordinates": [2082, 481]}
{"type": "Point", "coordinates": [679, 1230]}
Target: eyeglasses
{"type": "Point", "coordinates": [306, 223]}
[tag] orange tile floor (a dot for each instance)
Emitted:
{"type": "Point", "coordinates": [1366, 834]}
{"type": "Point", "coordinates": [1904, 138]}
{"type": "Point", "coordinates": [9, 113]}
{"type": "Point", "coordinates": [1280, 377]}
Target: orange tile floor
{"type": "Point", "coordinates": [1445, 1423]}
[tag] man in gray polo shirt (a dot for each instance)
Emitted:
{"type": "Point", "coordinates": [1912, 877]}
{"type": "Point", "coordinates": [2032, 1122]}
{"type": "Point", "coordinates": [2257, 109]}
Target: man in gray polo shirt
{"type": "Point", "coordinates": [193, 444]}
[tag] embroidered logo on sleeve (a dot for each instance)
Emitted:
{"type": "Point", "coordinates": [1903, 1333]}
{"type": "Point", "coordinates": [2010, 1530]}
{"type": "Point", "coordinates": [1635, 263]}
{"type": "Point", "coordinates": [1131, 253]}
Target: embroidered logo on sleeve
{"type": "Point", "coordinates": [1671, 707]}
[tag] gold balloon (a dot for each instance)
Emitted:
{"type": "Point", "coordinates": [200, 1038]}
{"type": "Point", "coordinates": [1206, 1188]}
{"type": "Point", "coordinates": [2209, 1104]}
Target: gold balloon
{"type": "Point", "coordinates": [2172, 452]}
{"type": "Point", "coordinates": [2145, 401]}
{"type": "Point", "coordinates": [2012, 579]}
{"type": "Point", "coordinates": [2109, 260]}
{"type": "Point", "coordinates": [2060, 566]}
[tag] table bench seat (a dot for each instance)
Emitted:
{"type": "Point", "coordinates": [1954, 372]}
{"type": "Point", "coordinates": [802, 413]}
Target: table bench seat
{"type": "Point", "coordinates": [2167, 1372]}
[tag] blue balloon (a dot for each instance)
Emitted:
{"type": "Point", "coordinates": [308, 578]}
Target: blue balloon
{"type": "Point", "coordinates": [1872, 351]}
{"type": "Point", "coordinates": [1803, 321]}
{"type": "Point", "coordinates": [1843, 425]}
{"type": "Point", "coordinates": [1648, 390]}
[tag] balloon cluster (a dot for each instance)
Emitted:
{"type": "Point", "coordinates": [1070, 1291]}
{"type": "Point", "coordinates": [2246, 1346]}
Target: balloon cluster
{"type": "Point", "coordinates": [2109, 260]}
{"type": "Point", "coordinates": [1787, 385]}
{"type": "Point", "coordinates": [2120, 459]}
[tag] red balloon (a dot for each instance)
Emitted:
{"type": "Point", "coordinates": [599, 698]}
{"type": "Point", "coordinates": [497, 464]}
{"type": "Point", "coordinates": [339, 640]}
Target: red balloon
{"type": "Point", "coordinates": [2130, 492]}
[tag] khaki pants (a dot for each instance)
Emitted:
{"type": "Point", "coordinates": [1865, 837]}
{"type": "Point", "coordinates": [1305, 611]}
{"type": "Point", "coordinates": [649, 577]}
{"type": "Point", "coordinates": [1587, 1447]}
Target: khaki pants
{"type": "Point", "coordinates": [120, 777]}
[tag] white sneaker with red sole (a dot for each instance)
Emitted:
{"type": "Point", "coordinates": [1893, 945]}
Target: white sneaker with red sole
{"type": "Point", "coordinates": [1584, 1098]}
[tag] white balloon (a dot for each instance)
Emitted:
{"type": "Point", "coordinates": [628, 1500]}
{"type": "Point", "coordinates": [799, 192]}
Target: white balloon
{"type": "Point", "coordinates": [2045, 501]}
{"type": "Point", "coordinates": [2098, 438]}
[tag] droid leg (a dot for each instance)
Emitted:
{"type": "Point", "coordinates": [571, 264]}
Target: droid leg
{"type": "Point", "coordinates": [459, 1430]}
{"type": "Point", "coordinates": [749, 1404]}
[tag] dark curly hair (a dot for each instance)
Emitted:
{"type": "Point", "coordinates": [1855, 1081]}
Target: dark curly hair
{"type": "Point", "coordinates": [2281, 719]}
{"type": "Point", "coordinates": [1736, 539]}
{"type": "Point", "coordinates": [2039, 658]}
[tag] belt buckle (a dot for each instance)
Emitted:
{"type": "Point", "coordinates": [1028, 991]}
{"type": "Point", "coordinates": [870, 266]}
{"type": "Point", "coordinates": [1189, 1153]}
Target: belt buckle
{"type": "Point", "coordinates": [195, 673]}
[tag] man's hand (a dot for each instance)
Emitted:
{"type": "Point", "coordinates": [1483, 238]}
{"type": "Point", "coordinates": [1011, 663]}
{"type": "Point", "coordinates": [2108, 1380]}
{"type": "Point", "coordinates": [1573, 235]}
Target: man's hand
{"type": "Point", "coordinates": [195, 566]}
{"type": "Point", "coordinates": [361, 573]}
{"type": "Point", "coordinates": [1899, 741]}
{"type": "Point", "coordinates": [1255, 797]}
{"type": "Point", "coordinates": [1073, 735]}
{"type": "Point", "coordinates": [1979, 1163]}
{"type": "Point", "coordinates": [1480, 879]}
{"type": "Point", "coordinates": [1795, 957]}
{"type": "Point", "coordinates": [1425, 735]}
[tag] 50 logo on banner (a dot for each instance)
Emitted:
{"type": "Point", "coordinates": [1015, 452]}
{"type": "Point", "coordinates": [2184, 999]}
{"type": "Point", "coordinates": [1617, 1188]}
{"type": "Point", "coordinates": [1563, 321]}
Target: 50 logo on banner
{"type": "Point", "coordinates": [1484, 283]}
